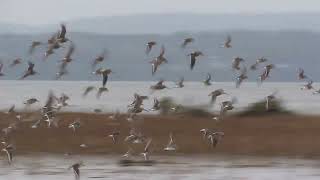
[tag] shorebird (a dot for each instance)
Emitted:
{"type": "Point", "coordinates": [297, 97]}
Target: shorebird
{"type": "Point", "coordinates": [31, 101]}
{"type": "Point", "coordinates": [186, 41]}
{"type": "Point", "coordinates": [8, 149]}
{"type": "Point", "coordinates": [171, 146]}
{"type": "Point", "coordinates": [62, 70]}
{"type": "Point", "coordinates": [87, 90]}
{"type": "Point", "coordinates": [146, 152]}
{"type": "Point", "coordinates": [227, 43]}
{"type": "Point", "coordinates": [62, 35]}
{"type": "Point", "coordinates": [241, 77]}
{"type": "Point", "coordinates": [53, 38]}
{"type": "Point", "coordinates": [114, 136]}
{"type": "Point", "coordinates": [75, 125]}
{"type": "Point", "coordinates": [156, 105]}
{"type": "Point", "coordinates": [180, 84]}
{"type": "Point", "coordinates": [115, 116]}
{"type": "Point", "coordinates": [176, 108]}
{"type": "Point", "coordinates": [236, 63]}
{"type": "Point", "coordinates": [205, 132]}
{"type": "Point", "coordinates": [128, 154]}
{"type": "Point", "coordinates": [149, 46]}
{"type": "Point", "coordinates": [308, 86]}
{"type": "Point", "coordinates": [215, 94]}
{"type": "Point", "coordinates": [99, 59]}
{"type": "Point", "coordinates": [75, 167]}
{"type": "Point", "coordinates": [138, 100]}
{"type": "Point", "coordinates": [105, 75]}
{"type": "Point", "coordinates": [155, 63]}
{"type": "Point", "coordinates": [135, 137]}
{"type": "Point", "coordinates": [67, 58]}
{"type": "Point", "coordinates": [225, 106]}
{"type": "Point", "coordinates": [316, 92]}
{"type": "Point", "coordinates": [30, 71]}
{"type": "Point", "coordinates": [258, 61]}
{"type": "Point", "coordinates": [158, 86]}
{"type": "Point", "coordinates": [193, 57]}
{"type": "Point", "coordinates": [51, 120]}
{"type": "Point", "coordinates": [266, 72]}
{"type": "Point", "coordinates": [15, 62]}
{"type": "Point", "coordinates": [207, 81]}
{"type": "Point", "coordinates": [11, 110]}
{"type": "Point", "coordinates": [34, 44]}
{"type": "Point", "coordinates": [214, 138]}
{"type": "Point", "coordinates": [1, 68]}
{"type": "Point", "coordinates": [301, 74]}
{"type": "Point", "coordinates": [269, 99]}
{"type": "Point", "coordinates": [49, 51]}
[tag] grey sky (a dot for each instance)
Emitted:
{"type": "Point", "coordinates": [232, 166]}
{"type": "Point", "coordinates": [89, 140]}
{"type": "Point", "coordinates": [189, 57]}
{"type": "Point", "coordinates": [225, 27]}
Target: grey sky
{"type": "Point", "coordinates": [54, 11]}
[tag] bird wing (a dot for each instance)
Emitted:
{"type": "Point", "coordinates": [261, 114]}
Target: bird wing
{"type": "Point", "coordinates": [105, 79]}
{"type": "Point", "coordinates": [63, 31]}
{"type": "Point", "coordinates": [193, 61]}
{"type": "Point", "coordinates": [70, 51]}
{"type": "Point", "coordinates": [162, 51]}
{"type": "Point", "coordinates": [146, 149]}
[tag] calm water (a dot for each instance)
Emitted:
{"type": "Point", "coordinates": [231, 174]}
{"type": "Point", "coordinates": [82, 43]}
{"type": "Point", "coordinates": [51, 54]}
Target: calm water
{"type": "Point", "coordinates": [121, 94]}
{"type": "Point", "coordinates": [53, 167]}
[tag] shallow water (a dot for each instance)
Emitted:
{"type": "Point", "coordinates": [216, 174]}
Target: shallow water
{"type": "Point", "coordinates": [52, 167]}
{"type": "Point", "coordinates": [121, 94]}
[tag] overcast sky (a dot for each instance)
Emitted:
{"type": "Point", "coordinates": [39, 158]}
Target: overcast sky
{"type": "Point", "coordinates": [54, 11]}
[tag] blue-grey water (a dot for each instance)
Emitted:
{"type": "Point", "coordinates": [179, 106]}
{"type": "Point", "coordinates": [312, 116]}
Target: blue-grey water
{"type": "Point", "coordinates": [52, 167]}
{"type": "Point", "coordinates": [121, 94]}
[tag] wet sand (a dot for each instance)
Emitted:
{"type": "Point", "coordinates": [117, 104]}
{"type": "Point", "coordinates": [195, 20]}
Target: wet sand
{"type": "Point", "coordinates": [276, 135]}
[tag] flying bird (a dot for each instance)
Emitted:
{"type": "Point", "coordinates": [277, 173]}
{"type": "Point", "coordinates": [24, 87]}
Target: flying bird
{"type": "Point", "coordinates": [193, 57]}
{"type": "Point", "coordinates": [187, 41]}
{"type": "Point", "coordinates": [158, 61]}
{"type": "Point", "coordinates": [149, 46]}
{"type": "Point", "coordinates": [180, 84]}
{"type": "Point", "coordinates": [236, 63]}
{"type": "Point", "coordinates": [158, 86]}
{"type": "Point", "coordinates": [207, 81]}
{"type": "Point", "coordinates": [171, 146]}
{"type": "Point", "coordinates": [75, 167]}
{"type": "Point", "coordinates": [258, 61]}
{"type": "Point", "coordinates": [8, 149]}
{"type": "Point", "coordinates": [30, 71]}
{"type": "Point", "coordinates": [114, 136]}
{"type": "Point", "coordinates": [62, 35]}
{"type": "Point", "coordinates": [100, 58]}
{"type": "Point", "coordinates": [34, 44]}
{"type": "Point", "coordinates": [214, 94]}
{"type": "Point", "coordinates": [15, 62]}
{"type": "Point", "coordinates": [241, 77]}
{"type": "Point", "coordinates": [146, 152]}
{"type": "Point", "coordinates": [87, 90]}
{"type": "Point", "coordinates": [227, 43]}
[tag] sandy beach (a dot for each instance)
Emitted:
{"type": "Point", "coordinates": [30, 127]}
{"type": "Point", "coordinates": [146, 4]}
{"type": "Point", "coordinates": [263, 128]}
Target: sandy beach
{"type": "Point", "coordinates": [277, 135]}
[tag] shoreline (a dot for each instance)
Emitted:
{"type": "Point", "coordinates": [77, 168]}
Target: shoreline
{"type": "Point", "coordinates": [272, 135]}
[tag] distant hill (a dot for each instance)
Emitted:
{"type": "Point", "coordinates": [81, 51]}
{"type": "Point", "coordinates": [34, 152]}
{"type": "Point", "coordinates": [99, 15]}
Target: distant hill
{"type": "Point", "coordinates": [182, 22]}
{"type": "Point", "coordinates": [287, 49]}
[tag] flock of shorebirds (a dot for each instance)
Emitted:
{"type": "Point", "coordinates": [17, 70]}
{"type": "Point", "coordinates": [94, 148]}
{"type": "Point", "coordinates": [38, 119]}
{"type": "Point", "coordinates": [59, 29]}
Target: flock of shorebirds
{"type": "Point", "coordinates": [54, 104]}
